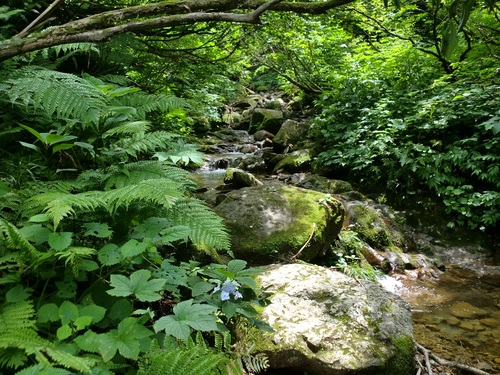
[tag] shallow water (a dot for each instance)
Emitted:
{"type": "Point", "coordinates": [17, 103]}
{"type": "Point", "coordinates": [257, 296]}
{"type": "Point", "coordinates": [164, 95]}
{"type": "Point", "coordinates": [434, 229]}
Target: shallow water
{"type": "Point", "coordinates": [457, 315]}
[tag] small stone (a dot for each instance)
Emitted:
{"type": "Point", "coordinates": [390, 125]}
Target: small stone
{"type": "Point", "coordinates": [490, 322]}
{"type": "Point", "coordinates": [453, 321]}
{"type": "Point", "coordinates": [467, 325]}
{"type": "Point", "coordinates": [465, 310]}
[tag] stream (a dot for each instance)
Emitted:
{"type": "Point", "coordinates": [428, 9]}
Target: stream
{"type": "Point", "coordinates": [456, 308]}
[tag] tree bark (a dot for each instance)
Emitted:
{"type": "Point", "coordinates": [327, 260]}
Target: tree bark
{"type": "Point", "coordinates": [101, 27]}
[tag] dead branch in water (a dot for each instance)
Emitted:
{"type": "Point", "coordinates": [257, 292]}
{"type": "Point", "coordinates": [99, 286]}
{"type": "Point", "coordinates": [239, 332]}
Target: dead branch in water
{"type": "Point", "coordinates": [444, 362]}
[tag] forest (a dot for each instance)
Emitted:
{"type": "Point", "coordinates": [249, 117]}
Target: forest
{"type": "Point", "coordinates": [104, 106]}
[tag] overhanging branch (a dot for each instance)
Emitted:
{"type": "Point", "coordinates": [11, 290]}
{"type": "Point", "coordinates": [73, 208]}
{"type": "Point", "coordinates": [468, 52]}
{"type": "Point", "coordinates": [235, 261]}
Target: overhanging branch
{"type": "Point", "coordinates": [155, 16]}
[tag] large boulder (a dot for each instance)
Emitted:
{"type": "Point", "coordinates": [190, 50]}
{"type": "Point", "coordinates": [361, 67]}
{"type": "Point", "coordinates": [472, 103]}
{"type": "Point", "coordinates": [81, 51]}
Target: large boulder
{"type": "Point", "coordinates": [326, 323]}
{"type": "Point", "coordinates": [290, 133]}
{"type": "Point", "coordinates": [266, 119]}
{"type": "Point", "coordinates": [272, 222]}
{"type": "Point", "coordinates": [239, 178]}
{"type": "Point", "coordinates": [294, 162]}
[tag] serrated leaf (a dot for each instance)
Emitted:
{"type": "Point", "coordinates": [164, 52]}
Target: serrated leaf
{"type": "Point", "coordinates": [18, 294]}
{"type": "Point", "coordinates": [133, 248]}
{"type": "Point", "coordinates": [60, 241]}
{"type": "Point", "coordinates": [236, 265]}
{"type": "Point", "coordinates": [63, 332]}
{"type": "Point", "coordinates": [82, 322]}
{"type": "Point", "coordinates": [201, 287]}
{"type": "Point", "coordinates": [95, 312]}
{"type": "Point", "coordinates": [68, 312]}
{"type": "Point", "coordinates": [109, 255]}
{"type": "Point", "coordinates": [138, 284]}
{"type": "Point", "coordinates": [88, 342]}
{"type": "Point", "coordinates": [99, 230]}
{"type": "Point", "coordinates": [48, 313]}
{"type": "Point", "coordinates": [36, 233]}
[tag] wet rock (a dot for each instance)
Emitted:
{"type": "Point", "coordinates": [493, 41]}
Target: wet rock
{"type": "Point", "coordinates": [295, 162]}
{"type": "Point", "coordinates": [326, 323]}
{"type": "Point", "coordinates": [290, 133]}
{"type": "Point", "coordinates": [239, 178]}
{"type": "Point", "coordinates": [325, 185]}
{"type": "Point", "coordinates": [262, 135]}
{"type": "Point", "coordinates": [266, 119]}
{"type": "Point", "coordinates": [272, 222]}
{"type": "Point", "coordinates": [465, 310]}
{"type": "Point", "coordinates": [247, 148]}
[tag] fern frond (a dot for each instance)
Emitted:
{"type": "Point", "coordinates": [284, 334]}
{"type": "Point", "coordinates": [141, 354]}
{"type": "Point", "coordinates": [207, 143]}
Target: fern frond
{"type": "Point", "coordinates": [55, 93]}
{"type": "Point", "coordinates": [16, 240]}
{"type": "Point", "coordinates": [162, 192]}
{"type": "Point", "coordinates": [146, 103]}
{"type": "Point", "coordinates": [132, 127]}
{"type": "Point", "coordinates": [44, 370]}
{"type": "Point", "coordinates": [16, 317]}
{"type": "Point", "coordinates": [60, 205]}
{"type": "Point", "coordinates": [148, 142]}
{"type": "Point", "coordinates": [256, 363]}
{"type": "Point", "coordinates": [206, 226]}
{"type": "Point", "coordinates": [70, 361]}
{"type": "Point", "coordinates": [133, 173]}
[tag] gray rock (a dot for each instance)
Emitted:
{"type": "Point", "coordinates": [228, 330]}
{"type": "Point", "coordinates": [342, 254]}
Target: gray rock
{"type": "Point", "coordinates": [239, 178]}
{"type": "Point", "coordinates": [296, 161]}
{"type": "Point", "coordinates": [290, 133]}
{"type": "Point", "coordinates": [272, 222]}
{"type": "Point", "coordinates": [328, 323]}
{"type": "Point", "coordinates": [266, 119]}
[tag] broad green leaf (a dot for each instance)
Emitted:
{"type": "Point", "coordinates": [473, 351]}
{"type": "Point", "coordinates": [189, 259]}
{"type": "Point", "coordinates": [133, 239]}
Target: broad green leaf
{"type": "Point", "coordinates": [68, 312]}
{"type": "Point", "coordinates": [109, 255]}
{"type": "Point", "coordinates": [229, 309]}
{"type": "Point", "coordinates": [138, 285]}
{"type": "Point", "coordinates": [133, 248]}
{"type": "Point", "coordinates": [53, 139]}
{"type": "Point", "coordinates": [236, 265]}
{"type": "Point", "coordinates": [95, 312]}
{"type": "Point", "coordinates": [60, 241]}
{"type": "Point", "coordinates": [35, 133]}
{"type": "Point", "coordinates": [88, 342]}
{"type": "Point", "coordinates": [187, 315]}
{"type": "Point", "coordinates": [40, 218]}
{"type": "Point", "coordinates": [120, 309]}
{"type": "Point", "coordinates": [30, 145]}
{"type": "Point", "coordinates": [82, 322]}
{"type": "Point", "coordinates": [126, 340]}
{"type": "Point", "coordinates": [48, 313]}
{"type": "Point", "coordinates": [63, 146]}
{"type": "Point", "coordinates": [18, 293]}
{"type": "Point", "coordinates": [201, 287]}
{"type": "Point", "coordinates": [99, 230]}
{"type": "Point", "coordinates": [63, 332]}
{"type": "Point", "coordinates": [36, 233]}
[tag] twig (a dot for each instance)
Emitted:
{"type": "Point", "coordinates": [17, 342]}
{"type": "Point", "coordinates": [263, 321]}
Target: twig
{"type": "Point", "coordinates": [445, 362]}
{"type": "Point", "coordinates": [307, 242]}
{"type": "Point", "coordinates": [425, 352]}
{"type": "Point", "coordinates": [40, 19]}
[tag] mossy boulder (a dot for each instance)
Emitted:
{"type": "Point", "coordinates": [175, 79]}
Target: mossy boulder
{"type": "Point", "coordinates": [375, 227]}
{"type": "Point", "coordinates": [239, 178]}
{"type": "Point", "coordinates": [290, 133]}
{"type": "Point", "coordinates": [296, 161]}
{"type": "Point", "coordinates": [326, 323]}
{"type": "Point", "coordinates": [272, 222]}
{"type": "Point", "coordinates": [324, 184]}
{"type": "Point", "coordinates": [266, 119]}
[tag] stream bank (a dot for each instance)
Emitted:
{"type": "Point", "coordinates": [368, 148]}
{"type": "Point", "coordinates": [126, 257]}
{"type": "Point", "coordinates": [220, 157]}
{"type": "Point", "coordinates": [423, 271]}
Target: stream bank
{"type": "Point", "coordinates": [451, 281]}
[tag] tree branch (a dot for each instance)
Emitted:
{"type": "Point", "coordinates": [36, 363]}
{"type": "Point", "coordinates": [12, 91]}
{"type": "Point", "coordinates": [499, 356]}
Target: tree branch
{"type": "Point", "coordinates": [101, 27]}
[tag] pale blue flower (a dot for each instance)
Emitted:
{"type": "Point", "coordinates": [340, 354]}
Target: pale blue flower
{"type": "Point", "coordinates": [228, 288]}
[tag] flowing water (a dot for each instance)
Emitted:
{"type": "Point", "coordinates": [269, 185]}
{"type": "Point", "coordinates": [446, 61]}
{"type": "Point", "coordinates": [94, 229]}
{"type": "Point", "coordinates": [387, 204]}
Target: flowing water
{"type": "Point", "coordinates": [456, 311]}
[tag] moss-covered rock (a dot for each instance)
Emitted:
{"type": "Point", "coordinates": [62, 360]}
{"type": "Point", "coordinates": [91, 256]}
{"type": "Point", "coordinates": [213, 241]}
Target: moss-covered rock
{"type": "Point", "coordinates": [266, 119]}
{"type": "Point", "coordinates": [291, 132]}
{"type": "Point", "coordinates": [327, 323]}
{"type": "Point", "coordinates": [325, 185]}
{"type": "Point", "coordinates": [239, 178]}
{"type": "Point", "coordinates": [296, 161]}
{"type": "Point", "coordinates": [371, 225]}
{"type": "Point", "coordinates": [272, 222]}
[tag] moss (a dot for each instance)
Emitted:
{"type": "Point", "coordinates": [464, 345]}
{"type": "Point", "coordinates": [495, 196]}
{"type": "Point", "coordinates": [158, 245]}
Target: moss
{"type": "Point", "coordinates": [371, 228]}
{"type": "Point", "coordinates": [295, 161]}
{"type": "Point", "coordinates": [403, 361]}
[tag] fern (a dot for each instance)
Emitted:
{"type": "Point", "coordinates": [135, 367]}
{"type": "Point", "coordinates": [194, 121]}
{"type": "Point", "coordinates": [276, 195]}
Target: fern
{"type": "Point", "coordinates": [146, 103]}
{"type": "Point", "coordinates": [17, 331]}
{"type": "Point", "coordinates": [193, 357]}
{"type": "Point", "coordinates": [206, 227]}
{"type": "Point", "coordinates": [55, 94]}
{"type": "Point", "coordinates": [133, 173]}
{"type": "Point", "coordinates": [144, 143]}
{"type": "Point", "coordinates": [132, 127]}
{"type": "Point", "coordinates": [44, 370]}
{"type": "Point", "coordinates": [16, 240]}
